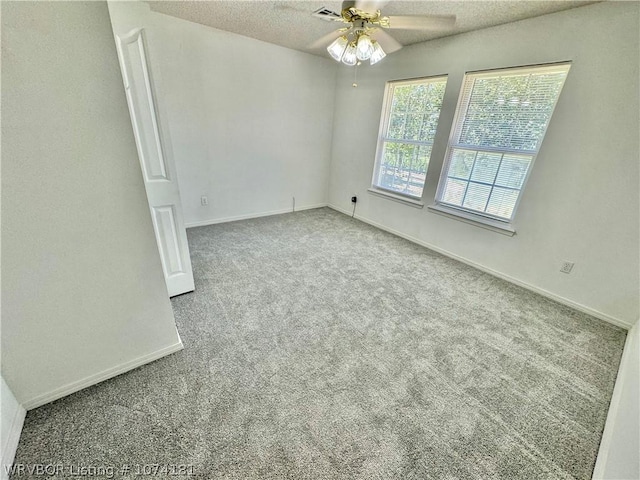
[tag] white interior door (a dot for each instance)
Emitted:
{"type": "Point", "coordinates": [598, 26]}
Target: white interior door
{"type": "Point", "coordinates": [156, 161]}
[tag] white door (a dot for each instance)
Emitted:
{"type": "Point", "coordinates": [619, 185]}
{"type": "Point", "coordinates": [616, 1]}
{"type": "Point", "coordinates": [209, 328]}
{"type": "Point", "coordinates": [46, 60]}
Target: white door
{"type": "Point", "coordinates": [158, 169]}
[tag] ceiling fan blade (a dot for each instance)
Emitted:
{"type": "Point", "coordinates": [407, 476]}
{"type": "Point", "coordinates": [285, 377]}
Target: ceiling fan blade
{"type": "Point", "coordinates": [325, 40]}
{"type": "Point", "coordinates": [387, 42]}
{"type": "Point", "coordinates": [426, 22]}
{"type": "Point", "coordinates": [370, 6]}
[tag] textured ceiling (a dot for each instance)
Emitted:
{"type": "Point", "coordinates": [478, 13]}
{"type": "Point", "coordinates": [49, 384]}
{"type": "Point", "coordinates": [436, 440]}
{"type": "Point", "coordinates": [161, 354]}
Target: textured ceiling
{"type": "Point", "coordinates": [290, 24]}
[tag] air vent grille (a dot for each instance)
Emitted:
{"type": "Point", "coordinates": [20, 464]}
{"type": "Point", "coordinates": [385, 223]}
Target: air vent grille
{"type": "Point", "coordinates": [325, 14]}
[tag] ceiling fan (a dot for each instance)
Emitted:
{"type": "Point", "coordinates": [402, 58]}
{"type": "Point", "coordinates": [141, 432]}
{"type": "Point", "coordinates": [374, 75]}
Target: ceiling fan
{"type": "Point", "coordinates": [355, 42]}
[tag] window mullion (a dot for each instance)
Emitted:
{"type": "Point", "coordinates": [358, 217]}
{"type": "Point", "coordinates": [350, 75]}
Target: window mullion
{"type": "Point", "coordinates": [464, 197]}
{"type": "Point", "coordinates": [493, 183]}
{"type": "Point", "coordinates": [402, 140]}
{"type": "Point", "coordinates": [463, 146]}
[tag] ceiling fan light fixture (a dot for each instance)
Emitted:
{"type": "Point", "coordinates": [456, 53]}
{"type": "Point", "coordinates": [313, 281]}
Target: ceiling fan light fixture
{"type": "Point", "coordinates": [337, 47]}
{"type": "Point", "coordinates": [349, 57]}
{"type": "Point", "coordinates": [364, 48]}
{"type": "Point", "coordinates": [377, 54]}
{"type": "Point", "coordinates": [363, 20]}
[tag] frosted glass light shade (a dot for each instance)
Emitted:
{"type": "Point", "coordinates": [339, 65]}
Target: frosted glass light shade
{"type": "Point", "coordinates": [364, 48]}
{"type": "Point", "coordinates": [337, 47]}
{"type": "Point", "coordinates": [378, 53]}
{"type": "Point", "coordinates": [349, 57]}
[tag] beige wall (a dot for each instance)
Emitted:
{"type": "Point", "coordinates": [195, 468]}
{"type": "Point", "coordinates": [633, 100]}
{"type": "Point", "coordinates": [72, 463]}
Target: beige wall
{"type": "Point", "coordinates": [82, 288]}
{"type": "Point", "coordinates": [581, 201]}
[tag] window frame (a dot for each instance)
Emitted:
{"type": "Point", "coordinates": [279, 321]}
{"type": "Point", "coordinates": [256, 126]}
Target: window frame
{"type": "Point", "coordinates": [494, 222]}
{"type": "Point", "coordinates": [385, 118]}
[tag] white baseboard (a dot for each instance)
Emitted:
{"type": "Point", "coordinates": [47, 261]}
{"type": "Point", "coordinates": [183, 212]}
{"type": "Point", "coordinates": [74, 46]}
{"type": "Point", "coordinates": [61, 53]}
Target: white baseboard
{"type": "Point", "coordinates": [101, 376]}
{"type": "Point", "coordinates": [11, 445]}
{"type": "Point", "coordinates": [545, 293]}
{"type": "Point", "coordinates": [251, 215]}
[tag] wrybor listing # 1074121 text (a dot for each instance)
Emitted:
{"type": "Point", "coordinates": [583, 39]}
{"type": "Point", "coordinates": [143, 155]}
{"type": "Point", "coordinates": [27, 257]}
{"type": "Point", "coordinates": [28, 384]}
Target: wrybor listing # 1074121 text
{"type": "Point", "coordinates": [102, 471]}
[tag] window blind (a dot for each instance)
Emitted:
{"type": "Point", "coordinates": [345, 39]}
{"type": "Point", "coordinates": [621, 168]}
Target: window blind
{"type": "Point", "coordinates": [500, 123]}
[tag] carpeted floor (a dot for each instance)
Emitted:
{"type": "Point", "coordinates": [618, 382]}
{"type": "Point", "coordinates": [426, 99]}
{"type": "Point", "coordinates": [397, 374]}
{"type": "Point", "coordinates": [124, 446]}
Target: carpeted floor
{"type": "Point", "coordinates": [318, 347]}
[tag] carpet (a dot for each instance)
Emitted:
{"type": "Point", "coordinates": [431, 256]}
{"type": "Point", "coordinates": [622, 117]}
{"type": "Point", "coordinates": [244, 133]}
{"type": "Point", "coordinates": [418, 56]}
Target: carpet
{"type": "Point", "coordinates": [319, 347]}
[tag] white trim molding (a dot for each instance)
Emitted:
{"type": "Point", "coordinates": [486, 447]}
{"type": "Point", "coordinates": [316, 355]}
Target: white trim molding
{"type": "Point", "coordinates": [617, 449]}
{"type": "Point", "coordinates": [473, 219]}
{"type": "Point", "coordinates": [101, 376]}
{"type": "Point", "coordinates": [235, 218]}
{"type": "Point", "coordinates": [545, 293]}
{"type": "Point", "coordinates": [395, 197]}
{"type": "Point", "coordinates": [10, 443]}
{"type": "Point", "coordinates": [9, 449]}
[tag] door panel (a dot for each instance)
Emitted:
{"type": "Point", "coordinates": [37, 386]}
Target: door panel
{"type": "Point", "coordinates": [145, 120]}
{"type": "Point", "coordinates": [155, 160]}
{"type": "Point", "coordinates": [165, 224]}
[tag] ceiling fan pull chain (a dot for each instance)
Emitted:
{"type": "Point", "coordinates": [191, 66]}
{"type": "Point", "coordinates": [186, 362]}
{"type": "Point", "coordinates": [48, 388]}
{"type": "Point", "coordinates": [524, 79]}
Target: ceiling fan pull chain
{"type": "Point", "coordinates": [355, 75]}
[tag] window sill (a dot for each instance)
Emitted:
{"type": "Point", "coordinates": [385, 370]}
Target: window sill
{"type": "Point", "coordinates": [396, 198]}
{"type": "Point", "coordinates": [477, 220]}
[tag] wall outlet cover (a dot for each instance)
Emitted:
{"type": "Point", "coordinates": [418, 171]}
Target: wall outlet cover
{"type": "Point", "coordinates": [566, 267]}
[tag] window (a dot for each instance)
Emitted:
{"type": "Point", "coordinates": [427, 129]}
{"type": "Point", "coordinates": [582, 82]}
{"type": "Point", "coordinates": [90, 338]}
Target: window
{"type": "Point", "coordinates": [408, 125]}
{"type": "Point", "coordinates": [499, 125]}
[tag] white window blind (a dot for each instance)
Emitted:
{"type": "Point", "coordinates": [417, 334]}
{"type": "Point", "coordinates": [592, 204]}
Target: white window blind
{"type": "Point", "coordinates": [500, 122]}
{"type": "Point", "coordinates": [408, 125]}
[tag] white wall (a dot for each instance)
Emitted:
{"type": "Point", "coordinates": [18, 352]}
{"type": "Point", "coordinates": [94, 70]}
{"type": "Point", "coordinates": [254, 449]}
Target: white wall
{"type": "Point", "coordinates": [12, 419]}
{"type": "Point", "coordinates": [83, 295]}
{"type": "Point", "coordinates": [250, 122]}
{"type": "Point", "coordinates": [619, 455]}
{"type": "Point", "coordinates": [581, 201]}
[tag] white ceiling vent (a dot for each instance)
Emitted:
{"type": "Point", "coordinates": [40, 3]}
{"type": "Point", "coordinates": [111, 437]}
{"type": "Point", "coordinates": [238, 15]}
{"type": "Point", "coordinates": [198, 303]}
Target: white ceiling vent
{"type": "Point", "coordinates": [325, 14]}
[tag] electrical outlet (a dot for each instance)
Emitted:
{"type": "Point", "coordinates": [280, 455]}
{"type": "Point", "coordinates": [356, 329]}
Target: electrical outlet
{"type": "Point", "coordinates": [204, 201]}
{"type": "Point", "coordinates": [354, 199]}
{"type": "Point", "coordinates": [566, 267]}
